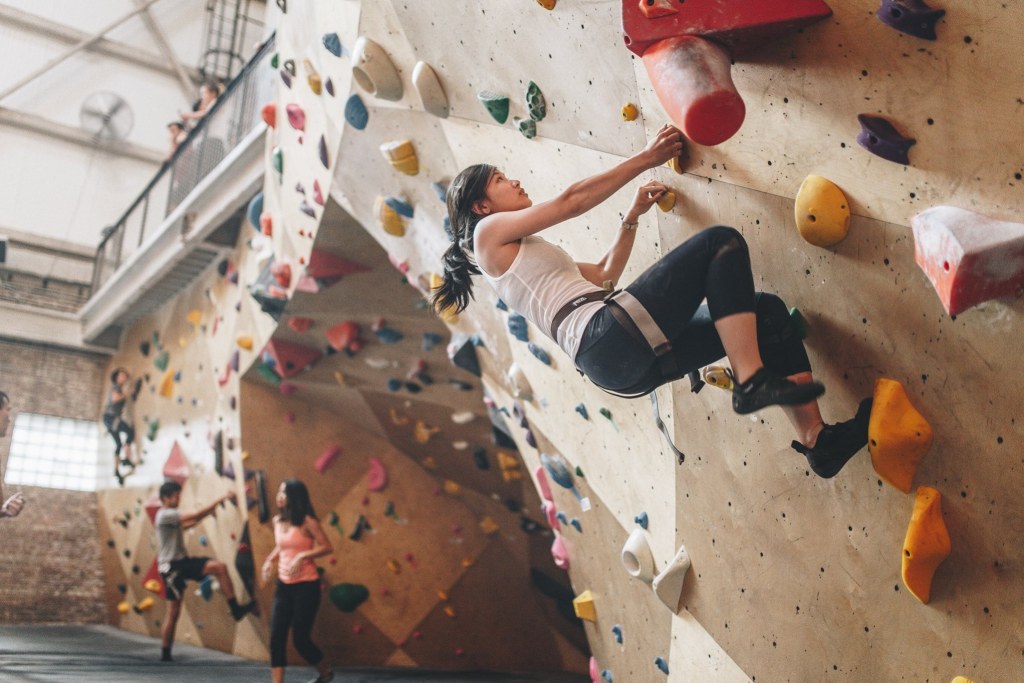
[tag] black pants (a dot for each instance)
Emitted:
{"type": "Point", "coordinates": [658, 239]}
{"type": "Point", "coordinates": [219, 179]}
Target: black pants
{"type": "Point", "coordinates": [295, 606]}
{"type": "Point", "coordinates": [713, 264]}
{"type": "Point", "coordinates": [116, 426]}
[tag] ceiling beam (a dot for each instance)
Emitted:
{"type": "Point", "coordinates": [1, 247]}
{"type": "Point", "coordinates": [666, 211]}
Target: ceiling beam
{"type": "Point", "coordinates": [187, 86]}
{"type": "Point", "coordinates": [34, 124]}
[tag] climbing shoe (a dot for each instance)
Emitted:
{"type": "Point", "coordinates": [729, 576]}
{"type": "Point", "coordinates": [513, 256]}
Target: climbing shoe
{"type": "Point", "coordinates": [837, 443]}
{"type": "Point", "coordinates": [765, 388]}
{"type": "Point", "coordinates": [324, 677]}
{"type": "Point", "coordinates": [238, 612]}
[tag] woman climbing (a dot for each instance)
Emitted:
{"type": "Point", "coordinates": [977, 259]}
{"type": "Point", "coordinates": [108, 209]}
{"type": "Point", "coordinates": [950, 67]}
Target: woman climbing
{"type": "Point", "coordinates": [656, 330]}
{"type": "Point", "coordinates": [118, 418]}
{"type": "Point", "coordinates": [299, 539]}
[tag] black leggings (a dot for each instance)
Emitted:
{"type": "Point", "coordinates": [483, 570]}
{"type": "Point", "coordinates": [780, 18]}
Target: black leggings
{"type": "Point", "coordinates": [116, 426]}
{"type": "Point", "coordinates": [295, 606]}
{"type": "Point", "coordinates": [715, 264]}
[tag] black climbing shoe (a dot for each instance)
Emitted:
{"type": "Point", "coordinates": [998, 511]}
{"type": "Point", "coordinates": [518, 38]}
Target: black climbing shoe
{"type": "Point", "coordinates": [324, 678]}
{"type": "Point", "coordinates": [239, 612]}
{"type": "Point", "coordinates": [837, 443]}
{"type": "Point", "coordinates": [765, 388]}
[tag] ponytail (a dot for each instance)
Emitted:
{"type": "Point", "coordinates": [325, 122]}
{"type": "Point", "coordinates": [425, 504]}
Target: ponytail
{"type": "Point", "coordinates": [456, 288]}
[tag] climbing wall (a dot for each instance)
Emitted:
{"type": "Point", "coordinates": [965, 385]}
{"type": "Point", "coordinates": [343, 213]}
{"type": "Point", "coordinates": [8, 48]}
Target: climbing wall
{"type": "Point", "coordinates": [792, 577]}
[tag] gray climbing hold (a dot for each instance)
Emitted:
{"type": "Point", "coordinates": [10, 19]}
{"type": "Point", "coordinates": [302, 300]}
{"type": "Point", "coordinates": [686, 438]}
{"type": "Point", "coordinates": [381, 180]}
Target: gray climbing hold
{"type": "Point", "coordinates": [497, 105]}
{"type": "Point", "coordinates": [322, 150]}
{"type": "Point", "coordinates": [307, 208]}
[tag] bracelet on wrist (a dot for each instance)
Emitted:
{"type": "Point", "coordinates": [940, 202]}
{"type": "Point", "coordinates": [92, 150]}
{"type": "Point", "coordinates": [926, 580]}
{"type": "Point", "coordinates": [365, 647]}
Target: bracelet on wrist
{"type": "Point", "coordinates": [626, 225]}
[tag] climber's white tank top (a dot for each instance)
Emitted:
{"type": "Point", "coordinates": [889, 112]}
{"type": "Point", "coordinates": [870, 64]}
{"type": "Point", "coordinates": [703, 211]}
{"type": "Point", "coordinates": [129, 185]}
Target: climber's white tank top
{"type": "Point", "coordinates": [542, 279]}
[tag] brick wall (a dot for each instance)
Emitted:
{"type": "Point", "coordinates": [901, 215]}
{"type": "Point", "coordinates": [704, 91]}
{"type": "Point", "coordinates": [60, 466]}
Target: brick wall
{"type": "Point", "coordinates": [50, 568]}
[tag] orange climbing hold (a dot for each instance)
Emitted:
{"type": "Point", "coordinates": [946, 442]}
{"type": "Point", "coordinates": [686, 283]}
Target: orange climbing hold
{"type": "Point", "coordinates": [927, 543]}
{"type": "Point", "coordinates": [898, 436]}
{"type": "Point", "coordinates": [167, 384]}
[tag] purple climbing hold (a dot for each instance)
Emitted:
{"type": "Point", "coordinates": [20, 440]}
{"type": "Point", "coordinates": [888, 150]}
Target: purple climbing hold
{"type": "Point", "coordinates": [912, 17]}
{"type": "Point", "coordinates": [296, 116]}
{"type": "Point", "coordinates": [234, 360]}
{"type": "Point", "coordinates": [307, 208]}
{"type": "Point", "coordinates": [286, 77]}
{"type": "Point", "coordinates": [332, 43]}
{"type": "Point", "coordinates": [356, 113]}
{"type": "Point", "coordinates": [530, 438]}
{"type": "Point", "coordinates": [322, 148]}
{"type": "Point", "coordinates": [881, 138]}
{"type": "Point", "coordinates": [329, 87]}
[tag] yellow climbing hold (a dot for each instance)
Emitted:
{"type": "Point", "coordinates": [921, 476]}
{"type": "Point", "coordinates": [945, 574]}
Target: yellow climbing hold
{"type": "Point", "coordinates": [822, 212]}
{"type": "Point", "coordinates": [488, 525]}
{"type": "Point", "coordinates": [167, 384]}
{"type": "Point", "coordinates": [394, 567]}
{"type": "Point", "coordinates": [629, 112]}
{"type": "Point", "coordinates": [244, 341]}
{"type": "Point", "coordinates": [667, 201]}
{"type": "Point", "coordinates": [447, 313]}
{"type": "Point", "coordinates": [547, 4]}
{"type": "Point", "coordinates": [245, 455]}
{"type": "Point", "coordinates": [452, 488]}
{"type": "Point", "coordinates": [717, 376]}
{"type": "Point", "coordinates": [153, 586]}
{"type": "Point", "coordinates": [898, 436]}
{"type": "Point", "coordinates": [584, 606]}
{"type": "Point", "coordinates": [402, 156]}
{"type": "Point", "coordinates": [195, 316]}
{"type": "Point", "coordinates": [388, 218]}
{"type": "Point", "coordinates": [145, 604]}
{"type": "Point", "coordinates": [962, 679]}
{"type": "Point", "coordinates": [442, 596]}
{"type": "Point", "coordinates": [468, 562]}
{"type": "Point", "coordinates": [312, 77]}
{"type": "Point", "coordinates": [449, 611]}
{"type": "Point", "coordinates": [123, 607]}
{"type": "Point", "coordinates": [422, 431]}
{"type": "Point", "coordinates": [927, 543]}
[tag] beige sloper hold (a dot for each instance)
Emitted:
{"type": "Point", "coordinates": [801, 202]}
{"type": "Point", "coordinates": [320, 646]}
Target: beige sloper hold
{"type": "Point", "coordinates": [374, 71]}
{"type": "Point", "coordinates": [637, 557]}
{"type": "Point", "coordinates": [668, 585]}
{"type": "Point", "coordinates": [430, 90]}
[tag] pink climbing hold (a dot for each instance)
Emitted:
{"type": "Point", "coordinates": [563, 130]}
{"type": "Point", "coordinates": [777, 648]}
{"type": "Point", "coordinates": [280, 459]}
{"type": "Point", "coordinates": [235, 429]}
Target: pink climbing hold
{"type": "Point", "coordinates": [326, 458]}
{"type": "Point", "coordinates": [287, 388]}
{"type": "Point", "coordinates": [266, 223]}
{"type": "Point", "coordinates": [378, 476]}
{"type": "Point", "coordinates": [296, 117]}
{"type": "Point", "coordinates": [318, 195]}
{"type": "Point", "coordinates": [345, 337]}
{"type": "Point", "coordinates": [559, 553]}
{"type": "Point", "coordinates": [224, 376]}
{"type": "Point", "coordinates": [542, 482]}
{"type": "Point", "coordinates": [300, 324]}
{"type": "Point", "coordinates": [290, 358]}
{"type": "Point", "coordinates": [551, 512]}
{"type": "Point", "coordinates": [282, 272]}
{"type": "Point", "coordinates": [595, 671]}
{"type": "Point", "coordinates": [969, 258]}
{"type": "Point", "coordinates": [269, 114]}
{"type": "Point", "coordinates": [176, 467]}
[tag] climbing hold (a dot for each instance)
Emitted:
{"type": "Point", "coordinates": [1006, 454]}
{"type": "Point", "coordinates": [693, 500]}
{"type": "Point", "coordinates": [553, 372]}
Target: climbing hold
{"type": "Point", "coordinates": [252, 212]}
{"type": "Point", "coordinates": [348, 596]}
{"type": "Point", "coordinates": [244, 341]}
{"type": "Point", "coordinates": [927, 543]}
{"type": "Point", "coordinates": [617, 632]}
{"type": "Point", "coordinates": [547, 4]}
{"type": "Point", "coordinates": [312, 77]}
{"type": "Point", "coordinates": [402, 156]}
{"type": "Point", "coordinates": [641, 519]}
{"type": "Point", "coordinates": [717, 376]}
{"type": "Point", "coordinates": [144, 348]}
{"type": "Point", "coordinates": [637, 557]}
{"type": "Point", "coordinates": [362, 524]}
{"type": "Point", "coordinates": [429, 88]}
{"type": "Point", "coordinates": [969, 258]}
{"type": "Point", "coordinates": [123, 607]}
{"type": "Point", "coordinates": [606, 676]}
{"type": "Point", "coordinates": [318, 195]}
{"type": "Point", "coordinates": [233, 361]}
{"type": "Point", "coordinates": [521, 388]}
{"type": "Point", "coordinates": [326, 458]}
{"type": "Point", "coordinates": [517, 326]}
{"type": "Point", "coordinates": [329, 87]}
{"type": "Point", "coordinates": [575, 523]}
{"type": "Point", "coordinates": [388, 335]}
{"type": "Point", "coordinates": [277, 159]}
{"type": "Point", "coordinates": [345, 337]}
{"type": "Point", "coordinates": [332, 42]}
{"type": "Point", "coordinates": [463, 417]}
{"type": "Point", "coordinates": [195, 316]}
{"type": "Point", "coordinates": [579, 472]}
{"type": "Point", "coordinates": [880, 137]}
{"type": "Point", "coordinates": [430, 340]}
{"type": "Point", "coordinates": [374, 71]}
{"type": "Point", "coordinates": [324, 161]}
{"type": "Point", "coordinates": [583, 605]}
{"type": "Point", "coordinates": [356, 113]}
{"type": "Point", "coordinates": [898, 435]}
{"type": "Point", "coordinates": [282, 272]}
{"type": "Point", "coordinates": [167, 384]}
{"type": "Point", "coordinates": [286, 78]}
{"type": "Point", "coordinates": [629, 112]}
{"type": "Point", "coordinates": [539, 353]}
{"type": "Point", "coordinates": [668, 585]}
{"type": "Point", "coordinates": [582, 410]}
{"type": "Point", "coordinates": [377, 478]}
{"type": "Point", "coordinates": [267, 223]}
{"type": "Point", "coordinates": [401, 207]}
{"type": "Point", "coordinates": [462, 354]}
{"type": "Point", "coordinates": [667, 201]}
{"type": "Point", "coordinates": [300, 324]}
{"type": "Point", "coordinates": [528, 127]}
{"type": "Point", "coordinates": [307, 208]}
{"type": "Point", "coordinates": [661, 664]}
{"type": "Point", "coordinates": [541, 475]}
{"type": "Point", "coordinates": [912, 17]}
{"type": "Point", "coordinates": [607, 414]}
{"type": "Point", "coordinates": [822, 212]}
{"type": "Point", "coordinates": [480, 458]}
{"type": "Point", "coordinates": [489, 526]}
{"type": "Point", "coordinates": [535, 102]}
{"type": "Point", "coordinates": [151, 429]}
{"type": "Point", "coordinates": [497, 105]}
{"type": "Point", "coordinates": [291, 358]}
{"type": "Point", "coordinates": [296, 116]}
{"type": "Point", "coordinates": [161, 360]}
{"type": "Point", "coordinates": [559, 553]}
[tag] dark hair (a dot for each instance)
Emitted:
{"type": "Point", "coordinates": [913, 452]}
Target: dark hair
{"type": "Point", "coordinates": [114, 374]}
{"type": "Point", "coordinates": [456, 288]}
{"type": "Point", "coordinates": [297, 505]}
{"type": "Point", "coordinates": [4, 399]}
{"type": "Point", "coordinates": [169, 488]}
{"type": "Point", "coordinates": [179, 124]}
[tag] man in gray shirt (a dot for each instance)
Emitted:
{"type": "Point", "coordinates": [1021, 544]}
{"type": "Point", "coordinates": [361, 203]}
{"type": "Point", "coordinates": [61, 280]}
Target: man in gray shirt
{"type": "Point", "coordinates": [176, 567]}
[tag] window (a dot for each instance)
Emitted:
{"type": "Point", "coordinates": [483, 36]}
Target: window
{"type": "Point", "coordinates": [54, 452]}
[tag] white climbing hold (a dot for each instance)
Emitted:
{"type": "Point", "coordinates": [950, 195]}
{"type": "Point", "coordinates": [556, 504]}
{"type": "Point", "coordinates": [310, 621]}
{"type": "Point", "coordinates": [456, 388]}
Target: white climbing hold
{"type": "Point", "coordinates": [637, 557]}
{"type": "Point", "coordinates": [668, 585]}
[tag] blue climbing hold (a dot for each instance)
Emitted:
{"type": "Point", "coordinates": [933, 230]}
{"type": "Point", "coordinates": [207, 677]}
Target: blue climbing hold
{"type": "Point", "coordinates": [332, 43]}
{"type": "Point", "coordinates": [430, 340]}
{"type": "Point", "coordinates": [539, 353]}
{"type": "Point", "coordinates": [388, 335]}
{"type": "Point", "coordinates": [447, 223]}
{"type": "Point", "coordinates": [441, 190]}
{"type": "Point", "coordinates": [206, 588]}
{"type": "Point", "coordinates": [356, 113]}
{"type": "Point", "coordinates": [641, 519]}
{"type": "Point", "coordinates": [402, 208]}
{"type": "Point", "coordinates": [576, 524]}
{"type": "Point", "coordinates": [607, 676]}
{"type": "Point", "coordinates": [394, 384]}
{"type": "Point", "coordinates": [254, 211]}
{"type": "Point", "coordinates": [582, 410]}
{"type": "Point", "coordinates": [562, 517]}
{"type": "Point", "coordinates": [501, 305]}
{"type": "Point", "coordinates": [661, 664]}
{"type": "Point", "coordinates": [617, 631]}
{"type": "Point", "coordinates": [203, 541]}
{"type": "Point", "coordinates": [517, 326]}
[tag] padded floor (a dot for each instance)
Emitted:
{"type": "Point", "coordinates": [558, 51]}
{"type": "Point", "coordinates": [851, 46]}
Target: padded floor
{"type": "Point", "coordinates": [104, 654]}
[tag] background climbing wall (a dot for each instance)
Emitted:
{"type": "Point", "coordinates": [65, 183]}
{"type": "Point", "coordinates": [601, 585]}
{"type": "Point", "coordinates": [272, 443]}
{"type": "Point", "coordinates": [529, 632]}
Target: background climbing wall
{"type": "Point", "coordinates": [793, 578]}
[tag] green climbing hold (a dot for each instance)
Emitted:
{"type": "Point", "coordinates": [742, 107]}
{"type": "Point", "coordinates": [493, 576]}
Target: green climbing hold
{"type": "Point", "coordinates": [799, 322]}
{"type": "Point", "coordinates": [152, 429]}
{"type": "Point", "coordinates": [535, 103]}
{"type": "Point", "coordinates": [161, 360]}
{"type": "Point", "coordinates": [275, 60]}
{"type": "Point", "coordinates": [267, 373]}
{"type": "Point", "coordinates": [496, 104]}
{"type": "Point", "coordinates": [528, 127]}
{"type": "Point", "coordinates": [348, 596]}
{"type": "Point", "coordinates": [278, 159]}
{"type": "Point", "coordinates": [579, 472]}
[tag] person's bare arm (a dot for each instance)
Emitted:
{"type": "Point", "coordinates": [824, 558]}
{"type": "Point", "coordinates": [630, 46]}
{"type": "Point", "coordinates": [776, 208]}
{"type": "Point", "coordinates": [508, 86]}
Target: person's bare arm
{"type": "Point", "coordinates": [12, 506]}
{"type": "Point", "coordinates": [190, 519]}
{"type": "Point", "coordinates": [321, 545]}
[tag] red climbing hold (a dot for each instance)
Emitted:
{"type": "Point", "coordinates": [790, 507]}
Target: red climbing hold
{"type": "Point", "coordinates": [324, 265]}
{"type": "Point", "coordinates": [345, 337]}
{"type": "Point", "coordinates": [300, 324]}
{"type": "Point", "coordinates": [176, 467]}
{"type": "Point", "coordinates": [290, 358]}
{"type": "Point", "coordinates": [269, 114]}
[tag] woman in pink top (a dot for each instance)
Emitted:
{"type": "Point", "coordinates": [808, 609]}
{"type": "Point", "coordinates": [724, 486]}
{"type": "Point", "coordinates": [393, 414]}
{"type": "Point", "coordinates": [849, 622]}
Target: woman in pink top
{"type": "Point", "coordinates": [299, 540]}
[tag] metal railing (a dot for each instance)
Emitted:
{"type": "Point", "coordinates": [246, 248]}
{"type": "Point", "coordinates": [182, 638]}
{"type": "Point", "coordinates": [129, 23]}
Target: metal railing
{"type": "Point", "coordinates": [233, 116]}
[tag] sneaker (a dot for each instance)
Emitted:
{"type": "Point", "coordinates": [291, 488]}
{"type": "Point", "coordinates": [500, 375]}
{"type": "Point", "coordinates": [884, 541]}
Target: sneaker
{"type": "Point", "coordinates": [837, 443]}
{"type": "Point", "coordinates": [765, 388]}
{"type": "Point", "coordinates": [242, 610]}
{"type": "Point", "coordinates": [323, 678]}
